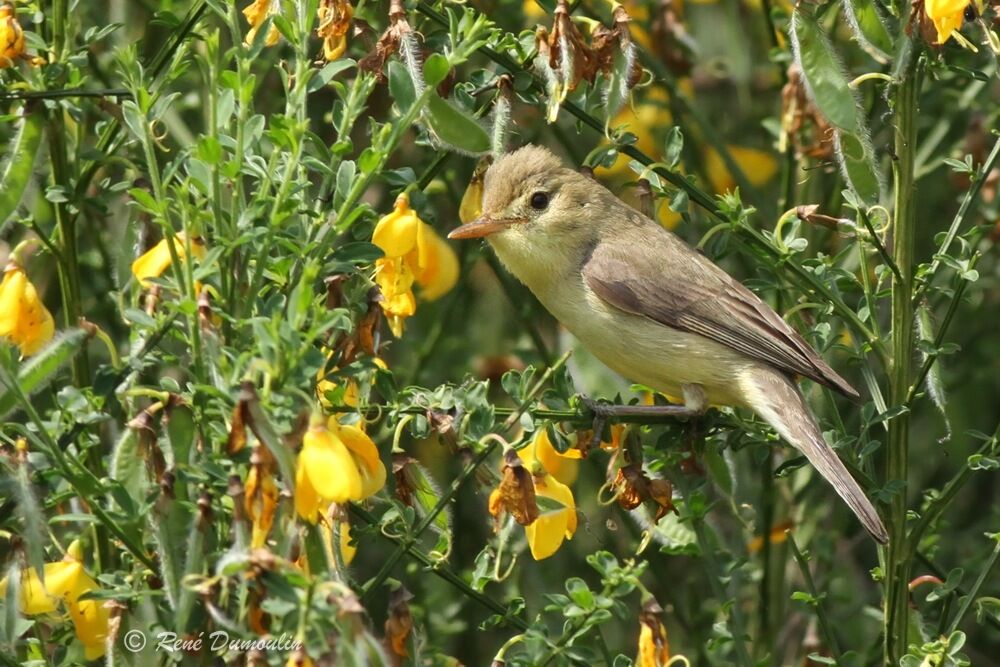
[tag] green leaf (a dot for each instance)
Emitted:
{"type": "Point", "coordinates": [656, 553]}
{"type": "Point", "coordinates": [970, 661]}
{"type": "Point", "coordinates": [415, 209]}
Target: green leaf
{"type": "Point", "coordinates": [128, 467]}
{"type": "Point", "coordinates": [933, 381]}
{"type": "Point", "coordinates": [456, 127]}
{"type": "Point", "coordinates": [41, 368]}
{"type": "Point", "coordinates": [330, 70]}
{"type": "Point", "coordinates": [401, 86]}
{"type": "Point", "coordinates": [180, 425]}
{"type": "Point", "coordinates": [868, 27]}
{"type": "Point", "coordinates": [579, 592]}
{"type": "Point", "coordinates": [135, 121]}
{"type": "Point", "coordinates": [21, 152]}
{"type": "Point", "coordinates": [857, 162]}
{"type": "Point", "coordinates": [825, 80]}
{"type": "Point", "coordinates": [34, 528]}
{"type": "Point", "coordinates": [673, 146]}
{"type": "Point", "coordinates": [436, 69]}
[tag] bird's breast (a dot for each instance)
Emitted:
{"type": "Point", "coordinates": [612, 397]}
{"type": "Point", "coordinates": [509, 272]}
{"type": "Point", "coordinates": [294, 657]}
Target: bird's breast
{"type": "Point", "coordinates": [641, 349]}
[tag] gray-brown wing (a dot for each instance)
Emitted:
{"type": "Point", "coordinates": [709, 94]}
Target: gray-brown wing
{"type": "Point", "coordinates": [677, 287]}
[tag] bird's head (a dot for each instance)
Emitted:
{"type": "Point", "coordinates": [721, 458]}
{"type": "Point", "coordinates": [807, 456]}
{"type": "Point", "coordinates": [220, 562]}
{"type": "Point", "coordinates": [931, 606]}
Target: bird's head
{"type": "Point", "coordinates": [530, 197]}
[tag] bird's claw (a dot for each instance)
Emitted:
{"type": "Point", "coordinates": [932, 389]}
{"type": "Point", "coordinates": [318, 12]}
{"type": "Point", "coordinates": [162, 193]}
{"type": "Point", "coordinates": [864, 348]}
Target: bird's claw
{"type": "Point", "coordinates": [600, 412]}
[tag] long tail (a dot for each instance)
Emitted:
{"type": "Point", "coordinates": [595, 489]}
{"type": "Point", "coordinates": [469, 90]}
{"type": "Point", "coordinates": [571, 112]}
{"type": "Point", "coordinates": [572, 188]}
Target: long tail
{"type": "Point", "coordinates": [777, 400]}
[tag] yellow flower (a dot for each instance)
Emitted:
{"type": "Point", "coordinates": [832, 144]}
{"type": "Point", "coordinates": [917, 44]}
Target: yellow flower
{"type": "Point", "coordinates": [299, 659]}
{"type": "Point", "coordinates": [157, 259]}
{"type": "Point", "coordinates": [414, 252]}
{"type": "Point", "coordinates": [471, 206]}
{"type": "Point", "coordinates": [946, 15]}
{"type": "Point", "coordinates": [352, 393]}
{"type": "Point", "coordinates": [563, 466]}
{"type": "Point", "coordinates": [256, 13]}
{"type": "Point", "coordinates": [778, 535]}
{"type": "Point", "coordinates": [654, 649]}
{"type": "Point", "coordinates": [11, 37]}
{"type": "Point", "coordinates": [334, 21]}
{"type": "Point", "coordinates": [347, 550]}
{"type": "Point", "coordinates": [338, 463]}
{"type": "Point", "coordinates": [24, 319]}
{"type": "Point", "coordinates": [758, 165]}
{"type": "Point", "coordinates": [65, 582]}
{"type": "Point", "coordinates": [556, 520]}
{"type": "Point", "coordinates": [395, 280]}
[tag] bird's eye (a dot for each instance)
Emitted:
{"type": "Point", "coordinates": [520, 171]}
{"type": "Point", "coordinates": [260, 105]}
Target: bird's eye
{"type": "Point", "coordinates": [539, 201]}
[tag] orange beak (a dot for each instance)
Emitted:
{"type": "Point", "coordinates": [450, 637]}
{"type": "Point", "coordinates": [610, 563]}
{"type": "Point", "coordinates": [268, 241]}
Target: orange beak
{"type": "Point", "coordinates": [479, 228]}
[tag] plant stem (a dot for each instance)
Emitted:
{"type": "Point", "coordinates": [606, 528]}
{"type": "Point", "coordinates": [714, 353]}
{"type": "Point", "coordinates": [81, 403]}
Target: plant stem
{"type": "Point", "coordinates": [897, 564]}
{"type": "Point", "coordinates": [824, 622]}
{"type": "Point", "coordinates": [441, 571]}
{"type": "Point", "coordinates": [970, 598]}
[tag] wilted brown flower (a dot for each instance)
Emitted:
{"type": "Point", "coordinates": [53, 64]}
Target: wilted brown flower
{"type": "Point", "coordinates": [399, 624]}
{"type": "Point", "coordinates": [671, 40]}
{"type": "Point", "coordinates": [389, 43]}
{"type": "Point", "coordinates": [608, 42]}
{"type": "Point", "coordinates": [516, 492]}
{"type": "Point", "coordinates": [633, 487]}
{"type": "Point", "coordinates": [801, 122]}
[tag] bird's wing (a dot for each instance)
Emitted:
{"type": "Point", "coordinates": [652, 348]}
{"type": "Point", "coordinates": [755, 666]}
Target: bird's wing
{"type": "Point", "coordinates": [680, 288]}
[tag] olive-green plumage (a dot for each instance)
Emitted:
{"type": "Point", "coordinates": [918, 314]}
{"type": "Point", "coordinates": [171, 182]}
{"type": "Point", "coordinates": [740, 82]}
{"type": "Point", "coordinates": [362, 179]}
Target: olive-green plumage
{"type": "Point", "coordinates": [652, 308]}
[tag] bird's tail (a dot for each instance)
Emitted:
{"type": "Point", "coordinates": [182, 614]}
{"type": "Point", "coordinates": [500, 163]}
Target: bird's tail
{"type": "Point", "coordinates": [777, 400]}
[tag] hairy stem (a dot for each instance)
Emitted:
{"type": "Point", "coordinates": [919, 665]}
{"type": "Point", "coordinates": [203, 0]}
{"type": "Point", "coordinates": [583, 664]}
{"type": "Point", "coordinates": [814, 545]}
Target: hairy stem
{"type": "Point", "coordinates": [897, 564]}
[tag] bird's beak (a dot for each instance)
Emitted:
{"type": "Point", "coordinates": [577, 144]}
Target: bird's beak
{"type": "Point", "coordinates": [479, 228]}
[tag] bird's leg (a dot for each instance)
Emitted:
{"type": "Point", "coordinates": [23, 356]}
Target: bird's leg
{"type": "Point", "coordinates": [695, 404]}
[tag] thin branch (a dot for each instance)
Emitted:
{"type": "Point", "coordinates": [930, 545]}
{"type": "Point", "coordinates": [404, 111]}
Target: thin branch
{"type": "Point", "coordinates": [824, 622]}
{"type": "Point", "coordinates": [963, 212]}
{"type": "Point", "coordinates": [66, 92]}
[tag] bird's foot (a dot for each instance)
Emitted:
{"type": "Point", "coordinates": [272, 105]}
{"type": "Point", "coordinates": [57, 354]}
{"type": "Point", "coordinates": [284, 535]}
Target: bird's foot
{"type": "Point", "coordinates": [695, 404]}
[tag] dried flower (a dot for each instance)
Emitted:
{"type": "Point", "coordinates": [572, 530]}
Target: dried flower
{"type": "Point", "coordinates": [516, 492]}
{"type": "Point", "coordinates": [633, 487]}
{"type": "Point", "coordinates": [399, 624]}
{"type": "Point", "coordinates": [398, 34]}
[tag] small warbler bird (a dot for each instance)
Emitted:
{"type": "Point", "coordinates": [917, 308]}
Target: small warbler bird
{"type": "Point", "coordinates": [653, 309]}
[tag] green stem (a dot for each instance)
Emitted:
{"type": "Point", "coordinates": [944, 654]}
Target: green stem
{"type": "Point", "coordinates": [824, 622]}
{"type": "Point", "coordinates": [408, 542]}
{"type": "Point", "coordinates": [443, 572]}
{"type": "Point", "coordinates": [971, 597]}
{"type": "Point", "coordinates": [950, 490]}
{"type": "Point", "coordinates": [897, 562]}
{"type": "Point", "coordinates": [963, 212]}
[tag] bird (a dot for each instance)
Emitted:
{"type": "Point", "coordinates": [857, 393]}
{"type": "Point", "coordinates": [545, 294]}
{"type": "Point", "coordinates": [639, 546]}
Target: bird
{"type": "Point", "coordinates": [652, 308]}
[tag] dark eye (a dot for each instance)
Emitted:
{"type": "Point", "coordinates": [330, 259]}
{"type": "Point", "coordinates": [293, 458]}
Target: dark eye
{"type": "Point", "coordinates": [540, 201]}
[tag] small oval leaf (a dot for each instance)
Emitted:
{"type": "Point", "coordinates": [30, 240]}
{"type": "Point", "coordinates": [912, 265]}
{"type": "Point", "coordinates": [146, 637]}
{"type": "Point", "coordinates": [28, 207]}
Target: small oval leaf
{"type": "Point", "coordinates": [825, 80]}
{"type": "Point", "coordinates": [455, 127]}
